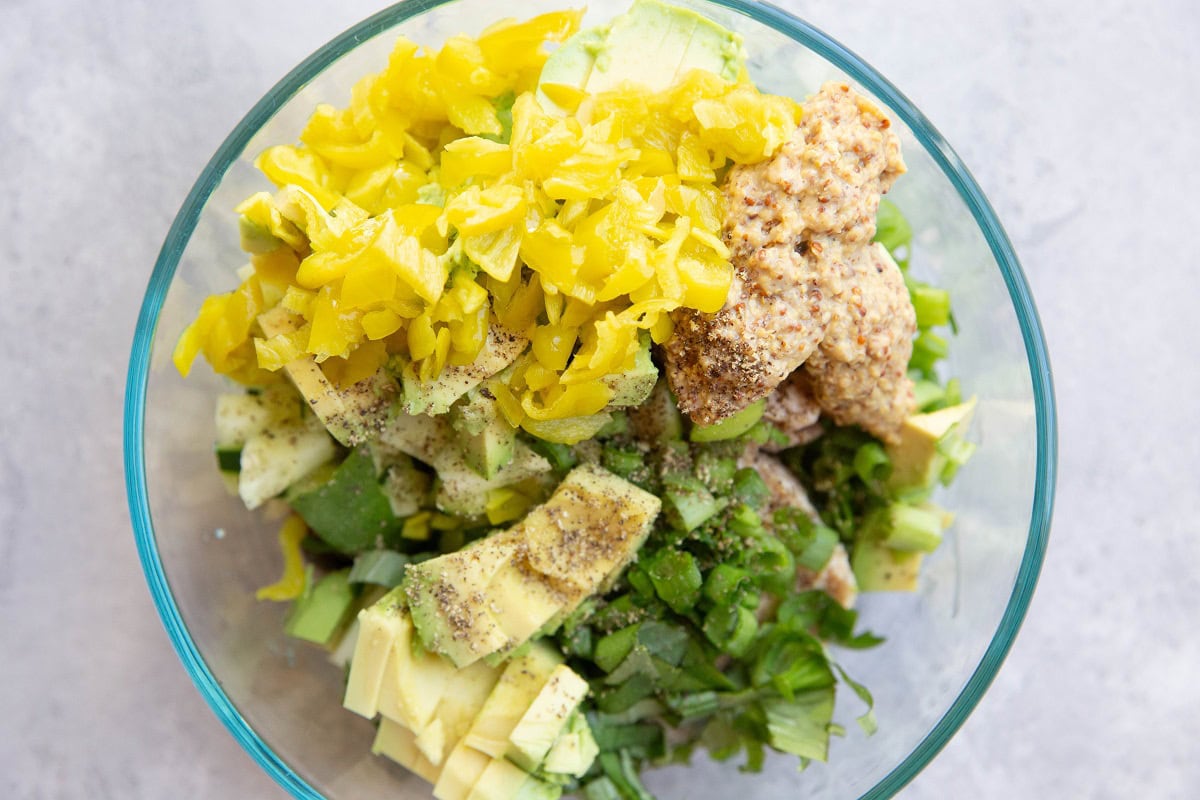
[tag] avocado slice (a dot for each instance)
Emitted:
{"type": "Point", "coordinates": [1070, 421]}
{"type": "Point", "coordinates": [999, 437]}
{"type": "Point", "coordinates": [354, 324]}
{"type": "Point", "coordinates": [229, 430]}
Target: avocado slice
{"type": "Point", "coordinates": [400, 745]}
{"type": "Point", "coordinates": [461, 490]}
{"type": "Point", "coordinates": [546, 718]}
{"type": "Point", "coordinates": [541, 564]}
{"type": "Point", "coordinates": [351, 415]}
{"type": "Point", "coordinates": [486, 438]}
{"type": "Point", "coordinates": [322, 612]}
{"type": "Point", "coordinates": [653, 44]}
{"type": "Point", "coordinates": [462, 770]}
{"type": "Point", "coordinates": [451, 613]}
{"type": "Point", "coordinates": [879, 568]}
{"type": "Point", "coordinates": [632, 387]}
{"type": "Point", "coordinates": [503, 780]}
{"type": "Point", "coordinates": [378, 627]}
{"type": "Point", "coordinates": [414, 682]}
{"type": "Point", "coordinates": [919, 456]}
{"type": "Point", "coordinates": [351, 511]}
{"type": "Point", "coordinates": [658, 418]}
{"type": "Point", "coordinates": [574, 751]}
{"type": "Point", "coordinates": [518, 686]}
{"type": "Point", "coordinates": [435, 397]}
{"type": "Point", "coordinates": [275, 459]}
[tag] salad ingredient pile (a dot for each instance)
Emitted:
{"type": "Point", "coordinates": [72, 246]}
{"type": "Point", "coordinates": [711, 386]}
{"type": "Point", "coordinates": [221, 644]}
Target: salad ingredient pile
{"type": "Point", "coordinates": [596, 390]}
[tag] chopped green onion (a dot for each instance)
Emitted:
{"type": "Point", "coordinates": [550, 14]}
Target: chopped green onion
{"type": "Point", "coordinates": [623, 697]}
{"type": "Point", "coordinates": [927, 394]}
{"type": "Point", "coordinates": [731, 628]}
{"type": "Point", "coordinates": [871, 462]}
{"type": "Point", "coordinates": [601, 789]}
{"type": "Point", "coordinates": [619, 767]}
{"type": "Point", "coordinates": [689, 503]}
{"type": "Point", "coordinates": [560, 456]}
{"type": "Point", "coordinates": [676, 578]}
{"type": "Point", "coordinates": [696, 704]}
{"type": "Point", "coordinates": [819, 550]}
{"type": "Point", "coordinates": [928, 349]}
{"type": "Point", "coordinates": [622, 461]}
{"type": "Point", "coordinates": [932, 305]}
{"type": "Point", "coordinates": [893, 231]}
{"type": "Point", "coordinates": [749, 488]}
{"type": "Point", "coordinates": [801, 725]}
{"type": "Point", "coordinates": [612, 649]}
{"type": "Point", "coordinates": [715, 471]}
{"type": "Point", "coordinates": [913, 529]}
{"type": "Point", "coordinates": [380, 567]}
{"type": "Point", "coordinates": [725, 584]}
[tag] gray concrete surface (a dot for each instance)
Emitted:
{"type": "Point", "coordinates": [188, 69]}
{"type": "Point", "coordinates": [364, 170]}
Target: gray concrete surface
{"type": "Point", "coordinates": [1079, 120]}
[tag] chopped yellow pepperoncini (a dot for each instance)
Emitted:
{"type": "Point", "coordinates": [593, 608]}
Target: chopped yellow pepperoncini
{"type": "Point", "coordinates": [291, 584]}
{"type": "Point", "coordinates": [445, 196]}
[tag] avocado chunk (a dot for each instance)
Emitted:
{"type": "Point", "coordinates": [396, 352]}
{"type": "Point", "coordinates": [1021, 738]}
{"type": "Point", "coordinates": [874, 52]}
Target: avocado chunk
{"type": "Point", "coordinates": [544, 566]}
{"type": "Point", "coordinates": [632, 387]}
{"type": "Point", "coordinates": [435, 397]}
{"type": "Point", "coordinates": [451, 613]}
{"type": "Point", "coordinates": [486, 438]}
{"type": "Point", "coordinates": [414, 681]}
{"type": "Point", "coordinates": [321, 613]}
{"type": "Point", "coordinates": [378, 627]}
{"type": "Point", "coordinates": [275, 459]}
{"type": "Point", "coordinates": [239, 417]}
{"type": "Point", "coordinates": [400, 745]}
{"type": "Point", "coordinates": [653, 44]}
{"type": "Point", "coordinates": [406, 487]}
{"type": "Point", "coordinates": [921, 454]}
{"type": "Point", "coordinates": [465, 695]}
{"type": "Point", "coordinates": [546, 718]}
{"type": "Point", "coordinates": [461, 490]}
{"type": "Point", "coordinates": [879, 568]}
{"type": "Point", "coordinates": [574, 751]}
{"type": "Point", "coordinates": [462, 770]}
{"type": "Point", "coordinates": [519, 685]}
{"type": "Point", "coordinates": [351, 415]}
{"type": "Point", "coordinates": [503, 780]}
{"type": "Point", "coordinates": [351, 511]}
{"type": "Point", "coordinates": [609, 519]}
{"type": "Point", "coordinates": [657, 419]}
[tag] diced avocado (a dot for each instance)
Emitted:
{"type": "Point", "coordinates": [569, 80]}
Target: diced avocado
{"type": "Point", "coordinates": [461, 771]}
{"type": "Point", "coordinates": [465, 697]}
{"type": "Point", "coordinates": [546, 718]}
{"type": "Point", "coordinates": [918, 458]}
{"type": "Point", "coordinates": [435, 397]}
{"type": "Point", "coordinates": [431, 741]}
{"type": "Point", "coordinates": [406, 487]}
{"type": "Point", "coordinates": [451, 596]}
{"type": "Point", "coordinates": [461, 490]}
{"type": "Point", "coordinates": [568, 430]}
{"type": "Point", "coordinates": [351, 415]}
{"type": "Point", "coordinates": [378, 627]}
{"type": "Point", "coordinates": [658, 419]}
{"type": "Point", "coordinates": [448, 606]}
{"type": "Point", "coordinates": [731, 427]}
{"type": "Point", "coordinates": [610, 518]}
{"type": "Point", "coordinates": [631, 388]}
{"type": "Point", "coordinates": [351, 512]}
{"type": "Point", "coordinates": [343, 651]}
{"type": "Point", "coordinates": [322, 612]}
{"type": "Point", "coordinates": [519, 685]}
{"type": "Point", "coordinates": [484, 434]}
{"type": "Point", "coordinates": [399, 744]}
{"type": "Point", "coordinates": [574, 751]}
{"type": "Point", "coordinates": [275, 459]}
{"type": "Point", "coordinates": [239, 417]}
{"type": "Point", "coordinates": [652, 44]}
{"type": "Point", "coordinates": [522, 603]}
{"type": "Point", "coordinates": [414, 682]}
{"type": "Point", "coordinates": [878, 568]}
{"type": "Point", "coordinates": [503, 780]}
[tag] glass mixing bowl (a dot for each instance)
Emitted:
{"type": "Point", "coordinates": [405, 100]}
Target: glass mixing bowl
{"type": "Point", "coordinates": [204, 554]}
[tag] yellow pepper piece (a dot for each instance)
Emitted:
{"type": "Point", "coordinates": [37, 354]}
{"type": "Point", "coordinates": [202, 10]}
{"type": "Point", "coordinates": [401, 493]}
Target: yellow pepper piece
{"type": "Point", "coordinates": [473, 157]}
{"type": "Point", "coordinates": [286, 165]}
{"type": "Point", "coordinates": [477, 211]}
{"type": "Point", "coordinates": [291, 584]}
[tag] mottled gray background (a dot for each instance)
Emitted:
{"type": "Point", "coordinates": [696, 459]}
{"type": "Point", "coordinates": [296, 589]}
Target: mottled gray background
{"type": "Point", "coordinates": [1078, 118]}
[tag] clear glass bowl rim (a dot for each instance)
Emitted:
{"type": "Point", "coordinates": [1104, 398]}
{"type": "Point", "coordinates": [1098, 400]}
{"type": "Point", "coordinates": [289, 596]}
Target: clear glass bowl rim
{"type": "Point", "coordinates": [805, 35]}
